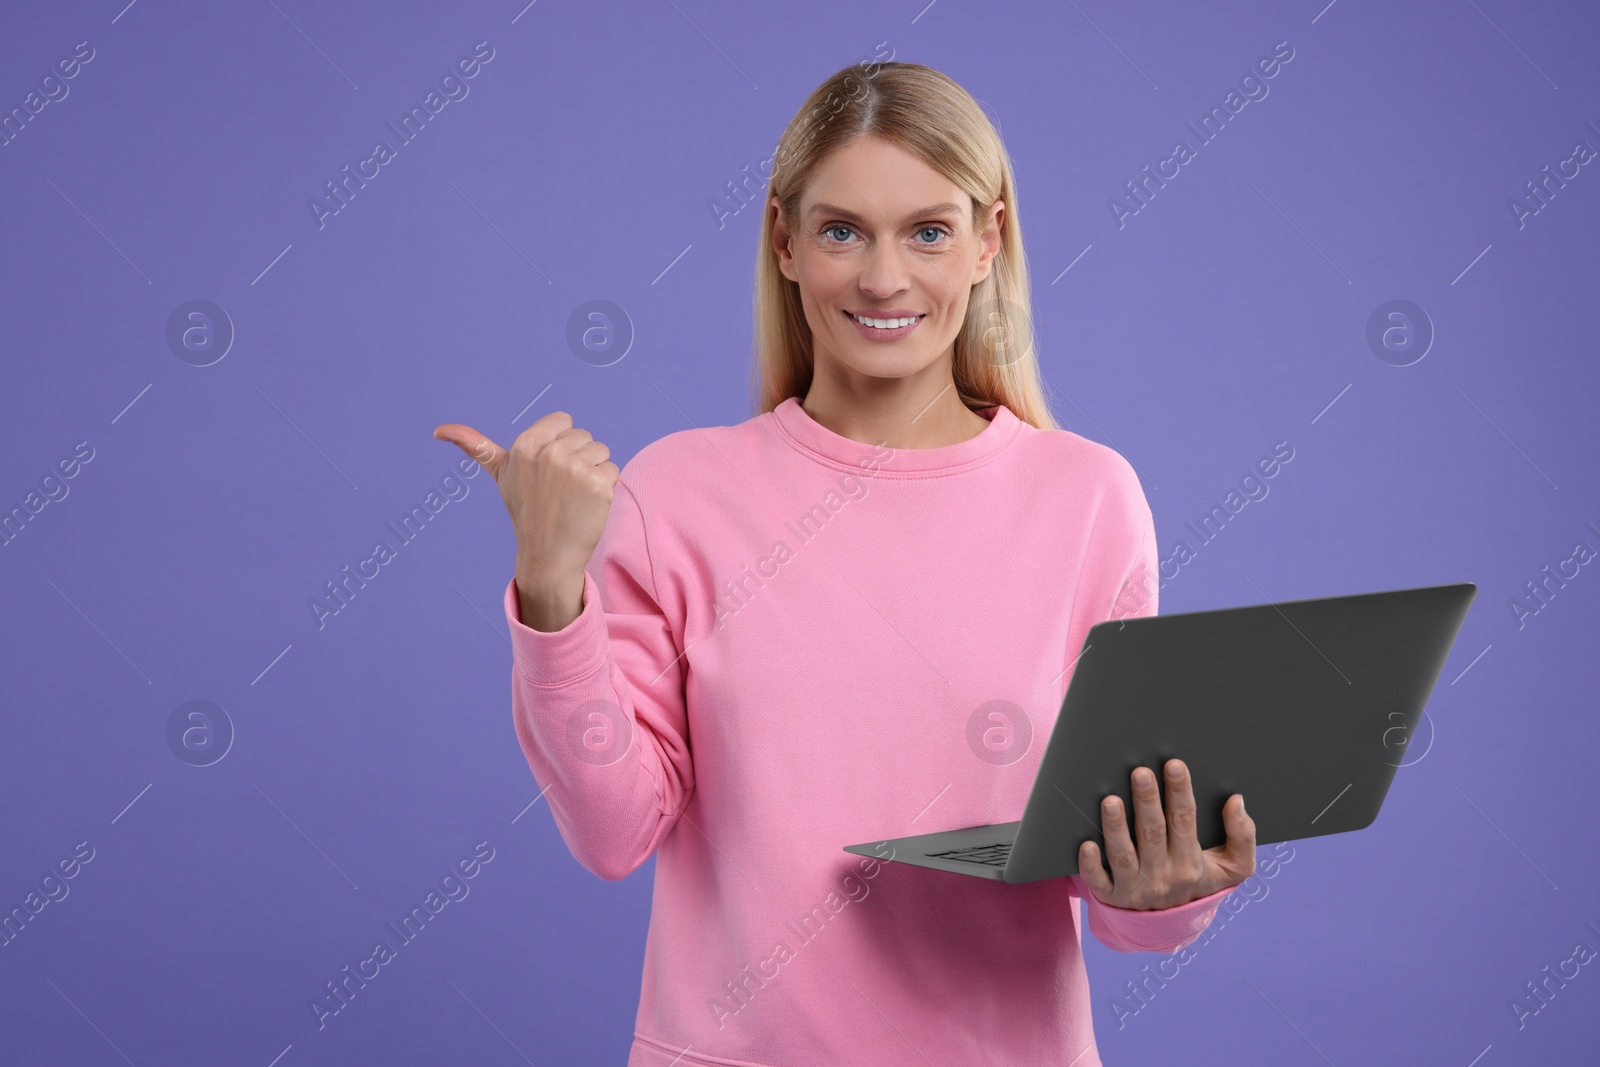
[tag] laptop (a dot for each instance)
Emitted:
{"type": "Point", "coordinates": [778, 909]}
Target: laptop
{"type": "Point", "coordinates": [1306, 707]}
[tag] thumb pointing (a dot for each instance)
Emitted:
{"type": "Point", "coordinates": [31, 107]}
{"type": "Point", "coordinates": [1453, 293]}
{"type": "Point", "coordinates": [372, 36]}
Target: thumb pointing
{"type": "Point", "coordinates": [487, 454]}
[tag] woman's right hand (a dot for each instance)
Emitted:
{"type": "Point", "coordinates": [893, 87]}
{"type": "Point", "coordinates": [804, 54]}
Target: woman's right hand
{"type": "Point", "coordinates": [558, 483]}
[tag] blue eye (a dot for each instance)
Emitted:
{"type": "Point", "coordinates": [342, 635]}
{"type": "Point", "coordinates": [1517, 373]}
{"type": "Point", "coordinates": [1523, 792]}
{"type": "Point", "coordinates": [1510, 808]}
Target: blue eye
{"type": "Point", "coordinates": [939, 233]}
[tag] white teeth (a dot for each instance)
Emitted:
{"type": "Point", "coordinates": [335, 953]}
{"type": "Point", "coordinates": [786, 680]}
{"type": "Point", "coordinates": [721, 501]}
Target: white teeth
{"type": "Point", "coordinates": [884, 324]}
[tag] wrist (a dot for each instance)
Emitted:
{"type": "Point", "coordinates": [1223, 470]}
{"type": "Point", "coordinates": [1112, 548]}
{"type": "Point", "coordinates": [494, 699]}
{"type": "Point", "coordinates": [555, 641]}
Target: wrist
{"type": "Point", "coordinates": [547, 603]}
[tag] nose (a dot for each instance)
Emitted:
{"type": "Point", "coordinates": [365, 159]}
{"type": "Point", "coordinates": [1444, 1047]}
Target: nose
{"type": "Point", "coordinates": [883, 274]}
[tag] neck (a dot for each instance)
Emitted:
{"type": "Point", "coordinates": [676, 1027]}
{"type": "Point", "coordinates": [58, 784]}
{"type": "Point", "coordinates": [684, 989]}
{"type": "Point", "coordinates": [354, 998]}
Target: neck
{"type": "Point", "coordinates": [902, 418]}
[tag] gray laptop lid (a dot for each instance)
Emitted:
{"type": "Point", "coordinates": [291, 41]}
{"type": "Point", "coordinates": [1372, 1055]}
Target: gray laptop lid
{"type": "Point", "coordinates": [1332, 688]}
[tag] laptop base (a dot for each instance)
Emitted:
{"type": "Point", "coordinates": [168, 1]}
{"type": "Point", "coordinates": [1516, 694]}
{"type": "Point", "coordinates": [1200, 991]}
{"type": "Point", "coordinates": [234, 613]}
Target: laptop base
{"type": "Point", "coordinates": [925, 850]}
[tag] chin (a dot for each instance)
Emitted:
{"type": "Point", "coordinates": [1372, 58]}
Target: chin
{"type": "Point", "coordinates": [890, 365]}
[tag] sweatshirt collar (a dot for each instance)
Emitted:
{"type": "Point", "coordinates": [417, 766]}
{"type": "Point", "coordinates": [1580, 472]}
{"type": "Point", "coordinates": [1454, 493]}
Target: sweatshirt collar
{"type": "Point", "coordinates": [809, 436]}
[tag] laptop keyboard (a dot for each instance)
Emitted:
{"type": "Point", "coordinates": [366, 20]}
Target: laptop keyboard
{"type": "Point", "coordinates": [993, 855]}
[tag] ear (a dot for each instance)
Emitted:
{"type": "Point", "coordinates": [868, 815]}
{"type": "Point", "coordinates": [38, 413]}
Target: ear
{"type": "Point", "coordinates": [782, 241]}
{"type": "Point", "coordinates": [990, 239]}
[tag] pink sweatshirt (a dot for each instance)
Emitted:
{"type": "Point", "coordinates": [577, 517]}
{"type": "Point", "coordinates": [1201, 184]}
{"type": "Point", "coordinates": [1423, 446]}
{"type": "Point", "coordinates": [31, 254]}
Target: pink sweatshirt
{"type": "Point", "coordinates": [791, 642]}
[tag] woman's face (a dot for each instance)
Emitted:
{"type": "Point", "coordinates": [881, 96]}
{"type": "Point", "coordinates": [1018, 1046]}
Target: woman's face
{"type": "Point", "coordinates": [884, 236]}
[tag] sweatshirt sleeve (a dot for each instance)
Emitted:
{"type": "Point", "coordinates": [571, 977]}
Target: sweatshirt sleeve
{"type": "Point", "coordinates": [599, 706]}
{"type": "Point", "coordinates": [1159, 929]}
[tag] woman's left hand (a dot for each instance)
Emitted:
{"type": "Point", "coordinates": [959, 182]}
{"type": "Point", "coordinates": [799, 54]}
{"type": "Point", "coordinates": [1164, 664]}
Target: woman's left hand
{"type": "Point", "coordinates": [1168, 868]}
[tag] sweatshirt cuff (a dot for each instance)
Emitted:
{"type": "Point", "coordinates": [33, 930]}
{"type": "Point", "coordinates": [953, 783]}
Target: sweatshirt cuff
{"type": "Point", "coordinates": [1162, 929]}
{"type": "Point", "coordinates": [555, 658]}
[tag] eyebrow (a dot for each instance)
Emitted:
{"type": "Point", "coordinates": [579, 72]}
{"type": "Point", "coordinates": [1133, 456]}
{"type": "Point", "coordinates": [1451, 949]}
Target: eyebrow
{"type": "Point", "coordinates": [922, 213]}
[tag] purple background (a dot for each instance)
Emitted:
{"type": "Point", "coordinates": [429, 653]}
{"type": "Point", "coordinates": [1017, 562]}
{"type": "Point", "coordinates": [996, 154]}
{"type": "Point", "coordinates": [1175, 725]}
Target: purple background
{"type": "Point", "coordinates": [369, 755]}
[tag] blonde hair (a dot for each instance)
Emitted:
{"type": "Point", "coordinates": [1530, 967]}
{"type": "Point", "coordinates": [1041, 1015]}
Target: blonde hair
{"type": "Point", "coordinates": [928, 115]}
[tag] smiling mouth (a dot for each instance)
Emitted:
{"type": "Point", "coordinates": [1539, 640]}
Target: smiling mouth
{"type": "Point", "coordinates": [888, 324]}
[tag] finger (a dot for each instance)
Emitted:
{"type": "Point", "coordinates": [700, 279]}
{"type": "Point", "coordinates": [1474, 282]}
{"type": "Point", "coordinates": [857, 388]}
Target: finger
{"type": "Point", "coordinates": [1183, 839]}
{"type": "Point", "coordinates": [593, 452]}
{"type": "Point", "coordinates": [487, 454]}
{"type": "Point", "coordinates": [1149, 823]}
{"type": "Point", "coordinates": [1093, 872]}
{"type": "Point", "coordinates": [555, 435]}
{"type": "Point", "coordinates": [1236, 858]}
{"type": "Point", "coordinates": [1120, 853]}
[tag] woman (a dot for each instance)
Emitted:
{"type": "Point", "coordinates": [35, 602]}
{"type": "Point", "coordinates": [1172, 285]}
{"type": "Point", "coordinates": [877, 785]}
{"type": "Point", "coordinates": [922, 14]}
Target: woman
{"type": "Point", "coordinates": [849, 618]}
